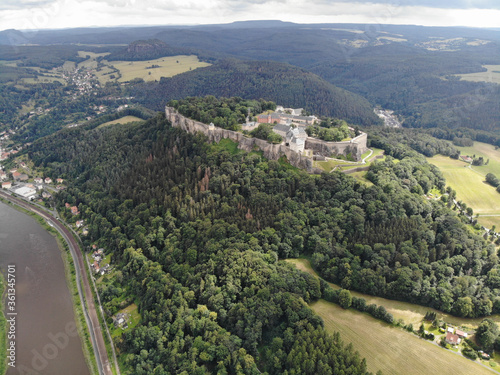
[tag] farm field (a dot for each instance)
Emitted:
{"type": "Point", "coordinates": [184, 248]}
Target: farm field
{"type": "Point", "coordinates": [121, 120]}
{"type": "Point", "coordinates": [487, 151]}
{"type": "Point", "coordinates": [469, 183]}
{"type": "Point", "coordinates": [91, 62]}
{"type": "Point", "coordinates": [390, 349]}
{"type": "Point", "coordinates": [492, 75]}
{"type": "Point", "coordinates": [409, 312]}
{"type": "Point", "coordinates": [168, 67]}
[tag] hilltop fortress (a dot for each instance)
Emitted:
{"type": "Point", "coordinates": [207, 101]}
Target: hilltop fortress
{"type": "Point", "coordinates": [299, 149]}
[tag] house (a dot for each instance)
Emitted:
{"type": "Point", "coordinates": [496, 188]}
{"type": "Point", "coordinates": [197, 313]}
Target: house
{"type": "Point", "coordinates": [461, 334]}
{"type": "Point", "coordinates": [23, 177]}
{"type": "Point", "coordinates": [38, 180]}
{"type": "Point", "coordinates": [466, 158]}
{"type": "Point", "coordinates": [59, 180]}
{"type": "Point", "coordinates": [74, 210]}
{"type": "Point", "coordinates": [60, 187]}
{"type": "Point", "coordinates": [48, 180]}
{"type": "Point", "coordinates": [79, 223]}
{"type": "Point", "coordinates": [46, 195]}
{"type": "Point", "coordinates": [272, 118]}
{"type": "Point", "coordinates": [6, 185]}
{"type": "Point", "coordinates": [16, 175]}
{"type": "Point", "coordinates": [452, 339]}
{"type": "Point", "coordinates": [281, 129]}
{"type": "Point", "coordinates": [95, 266]}
{"type": "Point", "coordinates": [3, 175]}
{"type": "Point", "coordinates": [296, 139]}
{"type": "Point", "coordinates": [451, 329]}
{"type": "Point", "coordinates": [67, 205]}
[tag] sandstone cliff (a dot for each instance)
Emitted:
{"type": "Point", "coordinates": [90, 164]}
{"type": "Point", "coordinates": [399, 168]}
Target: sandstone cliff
{"type": "Point", "coordinates": [215, 134]}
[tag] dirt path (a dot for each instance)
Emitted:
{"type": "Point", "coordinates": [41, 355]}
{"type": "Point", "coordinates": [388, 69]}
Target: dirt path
{"type": "Point", "coordinates": [89, 310]}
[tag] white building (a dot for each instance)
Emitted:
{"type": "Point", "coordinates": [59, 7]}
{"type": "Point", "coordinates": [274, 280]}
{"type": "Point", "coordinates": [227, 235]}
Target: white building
{"type": "Point", "coordinates": [25, 192]}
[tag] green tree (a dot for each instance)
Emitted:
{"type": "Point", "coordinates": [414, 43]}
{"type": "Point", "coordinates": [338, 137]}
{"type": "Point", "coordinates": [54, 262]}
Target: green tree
{"type": "Point", "coordinates": [345, 298]}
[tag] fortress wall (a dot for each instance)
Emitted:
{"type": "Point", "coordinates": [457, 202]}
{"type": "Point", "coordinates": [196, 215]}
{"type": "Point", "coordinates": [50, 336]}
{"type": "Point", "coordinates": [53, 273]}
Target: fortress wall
{"type": "Point", "coordinates": [215, 134]}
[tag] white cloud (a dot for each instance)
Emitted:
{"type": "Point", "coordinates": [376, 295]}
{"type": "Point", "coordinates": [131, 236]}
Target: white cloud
{"type": "Point", "coordinates": [37, 14]}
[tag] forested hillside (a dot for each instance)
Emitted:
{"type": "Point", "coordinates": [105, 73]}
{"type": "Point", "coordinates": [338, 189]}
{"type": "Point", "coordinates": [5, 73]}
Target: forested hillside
{"type": "Point", "coordinates": [282, 83]}
{"type": "Point", "coordinates": [198, 257]}
{"type": "Point", "coordinates": [196, 232]}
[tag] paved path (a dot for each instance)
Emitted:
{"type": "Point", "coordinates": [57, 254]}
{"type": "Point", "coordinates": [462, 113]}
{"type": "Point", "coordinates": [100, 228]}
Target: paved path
{"type": "Point", "coordinates": [89, 309]}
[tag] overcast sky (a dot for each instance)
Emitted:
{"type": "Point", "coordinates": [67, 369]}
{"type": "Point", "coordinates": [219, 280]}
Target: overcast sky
{"type": "Point", "coordinates": [43, 14]}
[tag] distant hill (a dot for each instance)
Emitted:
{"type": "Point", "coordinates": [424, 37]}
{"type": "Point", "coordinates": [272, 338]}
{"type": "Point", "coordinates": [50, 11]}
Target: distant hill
{"type": "Point", "coordinates": [147, 50]}
{"type": "Point", "coordinates": [282, 83]}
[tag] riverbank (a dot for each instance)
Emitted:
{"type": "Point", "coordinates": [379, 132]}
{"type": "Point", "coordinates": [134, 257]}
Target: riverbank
{"type": "Point", "coordinates": [71, 283]}
{"type": "Point", "coordinates": [3, 328]}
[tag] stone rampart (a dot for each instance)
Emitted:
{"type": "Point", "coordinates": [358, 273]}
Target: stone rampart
{"type": "Point", "coordinates": [215, 134]}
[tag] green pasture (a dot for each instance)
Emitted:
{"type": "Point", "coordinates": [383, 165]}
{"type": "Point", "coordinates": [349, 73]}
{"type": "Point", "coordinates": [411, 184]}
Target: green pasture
{"type": "Point", "coordinates": [469, 183]}
{"type": "Point", "coordinates": [491, 76]}
{"type": "Point", "coordinates": [121, 120]}
{"type": "Point", "coordinates": [168, 67]}
{"type": "Point", "coordinates": [408, 312]}
{"type": "Point", "coordinates": [391, 349]}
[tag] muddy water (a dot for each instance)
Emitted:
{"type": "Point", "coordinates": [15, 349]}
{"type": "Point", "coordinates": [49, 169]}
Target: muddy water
{"type": "Point", "coordinates": [43, 321]}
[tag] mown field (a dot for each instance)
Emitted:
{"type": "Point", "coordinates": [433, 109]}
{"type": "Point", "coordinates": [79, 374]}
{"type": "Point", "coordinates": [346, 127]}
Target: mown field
{"type": "Point", "coordinates": [469, 181]}
{"type": "Point", "coordinates": [491, 76]}
{"type": "Point", "coordinates": [121, 120]}
{"type": "Point", "coordinates": [328, 165]}
{"type": "Point", "coordinates": [390, 349]}
{"type": "Point", "coordinates": [168, 67]}
{"type": "Point", "coordinates": [91, 62]}
{"type": "Point", "coordinates": [409, 312]}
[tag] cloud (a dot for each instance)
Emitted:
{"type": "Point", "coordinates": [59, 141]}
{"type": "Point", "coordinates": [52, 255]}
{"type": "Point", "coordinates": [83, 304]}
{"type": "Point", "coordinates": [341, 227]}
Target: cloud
{"type": "Point", "coordinates": [439, 4]}
{"type": "Point", "coordinates": [24, 4]}
{"type": "Point", "coordinates": [40, 14]}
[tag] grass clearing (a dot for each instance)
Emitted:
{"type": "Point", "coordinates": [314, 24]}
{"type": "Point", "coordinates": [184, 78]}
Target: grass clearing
{"type": "Point", "coordinates": [91, 62]}
{"type": "Point", "coordinates": [390, 349]}
{"type": "Point", "coordinates": [121, 120]}
{"type": "Point", "coordinates": [471, 188]}
{"type": "Point", "coordinates": [42, 79]}
{"type": "Point", "coordinates": [69, 66]}
{"type": "Point", "coordinates": [490, 76]}
{"type": "Point", "coordinates": [329, 165]}
{"type": "Point", "coordinates": [167, 67]}
{"type": "Point", "coordinates": [226, 144]}
{"type": "Point", "coordinates": [409, 312]}
{"type": "Point", "coordinates": [134, 318]}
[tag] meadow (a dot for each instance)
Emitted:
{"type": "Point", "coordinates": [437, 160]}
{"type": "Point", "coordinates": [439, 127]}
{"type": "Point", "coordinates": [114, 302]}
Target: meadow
{"type": "Point", "coordinates": [167, 67]}
{"type": "Point", "coordinates": [390, 349]}
{"type": "Point", "coordinates": [408, 312]}
{"type": "Point", "coordinates": [490, 76]}
{"type": "Point", "coordinates": [329, 165]}
{"type": "Point", "coordinates": [121, 120]}
{"type": "Point", "coordinates": [469, 181]}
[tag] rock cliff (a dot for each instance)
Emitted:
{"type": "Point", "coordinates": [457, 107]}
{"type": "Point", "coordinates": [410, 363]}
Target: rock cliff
{"type": "Point", "coordinates": [215, 134]}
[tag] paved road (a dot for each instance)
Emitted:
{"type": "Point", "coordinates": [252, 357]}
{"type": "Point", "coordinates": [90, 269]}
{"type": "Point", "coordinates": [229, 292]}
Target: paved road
{"type": "Point", "coordinates": [90, 313]}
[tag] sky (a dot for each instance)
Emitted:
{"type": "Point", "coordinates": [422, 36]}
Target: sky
{"type": "Point", "coordinates": [55, 14]}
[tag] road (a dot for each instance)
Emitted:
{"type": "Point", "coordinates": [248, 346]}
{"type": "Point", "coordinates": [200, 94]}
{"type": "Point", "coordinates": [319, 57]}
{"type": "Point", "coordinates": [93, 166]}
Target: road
{"type": "Point", "coordinates": [89, 309]}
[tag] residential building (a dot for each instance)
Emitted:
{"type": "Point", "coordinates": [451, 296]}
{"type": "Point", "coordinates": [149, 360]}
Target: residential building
{"type": "Point", "coordinates": [452, 339]}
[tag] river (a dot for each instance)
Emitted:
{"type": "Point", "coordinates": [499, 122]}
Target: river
{"type": "Point", "coordinates": [46, 339]}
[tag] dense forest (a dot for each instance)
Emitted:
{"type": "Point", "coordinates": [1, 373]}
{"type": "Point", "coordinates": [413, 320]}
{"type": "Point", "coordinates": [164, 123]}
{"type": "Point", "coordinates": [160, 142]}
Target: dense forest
{"type": "Point", "coordinates": [211, 292]}
{"type": "Point", "coordinates": [200, 229]}
{"type": "Point", "coordinates": [227, 113]}
{"type": "Point", "coordinates": [282, 83]}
